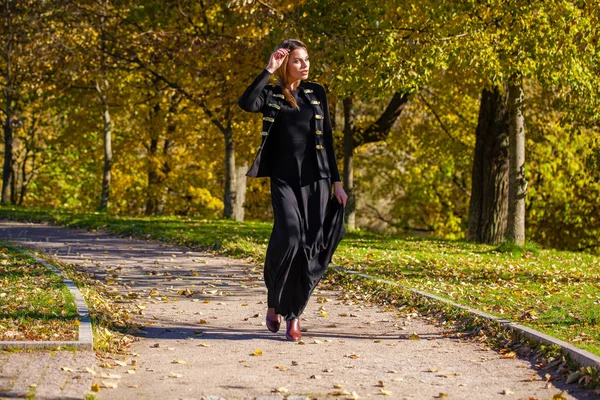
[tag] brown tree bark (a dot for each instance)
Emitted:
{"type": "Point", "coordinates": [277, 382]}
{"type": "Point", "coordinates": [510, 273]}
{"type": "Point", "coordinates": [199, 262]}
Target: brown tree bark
{"type": "Point", "coordinates": [9, 111]}
{"type": "Point", "coordinates": [515, 231]}
{"type": "Point", "coordinates": [489, 187]}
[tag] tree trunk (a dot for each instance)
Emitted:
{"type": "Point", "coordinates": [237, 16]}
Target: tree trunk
{"type": "Point", "coordinates": [153, 179]}
{"type": "Point", "coordinates": [240, 190]}
{"type": "Point", "coordinates": [106, 175]}
{"type": "Point", "coordinates": [515, 230]}
{"type": "Point", "coordinates": [350, 212]}
{"type": "Point", "coordinates": [8, 91]}
{"type": "Point", "coordinates": [489, 188]}
{"type": "Point", "coordinates": [103, 90]}
{"type": "Point", "coordinates": [230, 175]}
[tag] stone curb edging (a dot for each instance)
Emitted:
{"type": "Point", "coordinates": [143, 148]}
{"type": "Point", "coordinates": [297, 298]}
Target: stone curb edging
{"type": "Point", "coordinates": [85, 338]}
{"type": "Point", "coordinates": [582, 357]}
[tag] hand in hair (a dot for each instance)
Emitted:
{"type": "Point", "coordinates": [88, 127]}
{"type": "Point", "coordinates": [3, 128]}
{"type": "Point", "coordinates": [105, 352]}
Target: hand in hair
{"type": "Point", "coordinates": [276, 60]}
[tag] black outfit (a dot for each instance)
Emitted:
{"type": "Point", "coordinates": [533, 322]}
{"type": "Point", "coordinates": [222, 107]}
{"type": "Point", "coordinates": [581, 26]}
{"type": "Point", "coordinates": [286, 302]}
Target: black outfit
{"type": "Point", "coordinates": [300, 161]}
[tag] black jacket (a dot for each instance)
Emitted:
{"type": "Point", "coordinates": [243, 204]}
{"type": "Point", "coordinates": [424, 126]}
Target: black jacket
{"type": "Point", "coordinates": [267, 99]}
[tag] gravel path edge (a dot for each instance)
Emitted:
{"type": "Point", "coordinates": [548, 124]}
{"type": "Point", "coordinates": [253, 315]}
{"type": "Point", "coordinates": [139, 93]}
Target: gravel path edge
{"type": "Point", "coordinates": [580, 356]}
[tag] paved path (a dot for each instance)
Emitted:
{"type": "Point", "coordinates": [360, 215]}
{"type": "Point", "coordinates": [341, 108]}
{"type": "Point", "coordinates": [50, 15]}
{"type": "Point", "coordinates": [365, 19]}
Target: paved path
{"type": "Point", "coordinates": [206, 344]}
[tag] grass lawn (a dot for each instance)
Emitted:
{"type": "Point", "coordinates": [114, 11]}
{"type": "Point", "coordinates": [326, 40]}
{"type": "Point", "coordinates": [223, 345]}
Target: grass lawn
{"type": "Point", "coordinates": [34, 302]}
{"type": "Point", "coordinates": [555, 292]}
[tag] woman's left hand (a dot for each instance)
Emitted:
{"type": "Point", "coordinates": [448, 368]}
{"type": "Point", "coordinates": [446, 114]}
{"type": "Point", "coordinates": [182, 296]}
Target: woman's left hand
{"type": "Point", "coordinates": [339, 193]}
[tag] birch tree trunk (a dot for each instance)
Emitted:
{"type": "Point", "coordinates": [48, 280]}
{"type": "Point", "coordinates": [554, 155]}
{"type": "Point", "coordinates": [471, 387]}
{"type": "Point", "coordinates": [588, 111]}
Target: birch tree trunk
{"type": "Point", "coordinates": [350, 212]}
{"type": "Point", "coordinates": [230, 175]}
{"type": "Point", "coordinates": [102, 88]}
{"type": "Point", "coordinates": [515, 230]}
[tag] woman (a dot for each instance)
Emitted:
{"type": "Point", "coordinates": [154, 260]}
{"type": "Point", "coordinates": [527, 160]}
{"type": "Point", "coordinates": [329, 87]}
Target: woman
{"type": "Point", "coordinates": [297, 154]}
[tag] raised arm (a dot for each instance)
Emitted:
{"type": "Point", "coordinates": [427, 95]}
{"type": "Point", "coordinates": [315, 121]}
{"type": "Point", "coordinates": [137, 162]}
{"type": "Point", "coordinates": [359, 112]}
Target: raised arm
{"type": "Point", "coordinates": [253, 98]}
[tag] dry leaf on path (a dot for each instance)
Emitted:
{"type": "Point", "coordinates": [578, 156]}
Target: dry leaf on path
{"type": "Point", "coordinates": [385, 392]}
{"type": "Point", "coordinates": [340, 393]}
{"type": "Point", "coordinates": [95, 387]}
{"type": "Point", "coordinates": [109, 385]}
{"type": "Point", "coordinates": [256, 353]}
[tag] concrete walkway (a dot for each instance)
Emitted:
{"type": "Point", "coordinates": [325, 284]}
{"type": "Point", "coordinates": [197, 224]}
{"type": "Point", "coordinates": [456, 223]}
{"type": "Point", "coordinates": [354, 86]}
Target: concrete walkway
{"type": "Point", "coordinates": [205, 336]}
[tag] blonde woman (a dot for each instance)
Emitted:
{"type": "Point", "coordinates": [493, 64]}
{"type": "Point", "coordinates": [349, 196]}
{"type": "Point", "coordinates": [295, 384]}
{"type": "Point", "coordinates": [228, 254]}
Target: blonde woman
{"type": "Point", "coordinates": [297, 155]}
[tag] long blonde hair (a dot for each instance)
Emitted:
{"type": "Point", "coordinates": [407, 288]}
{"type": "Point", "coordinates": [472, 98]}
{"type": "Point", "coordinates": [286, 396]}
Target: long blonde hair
{"type": "Point", "coordinates": [281, 72]}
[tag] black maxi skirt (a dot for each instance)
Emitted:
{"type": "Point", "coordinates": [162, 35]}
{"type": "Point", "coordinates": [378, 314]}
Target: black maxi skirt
{"type": "Point", "coordinates": [309, 224]}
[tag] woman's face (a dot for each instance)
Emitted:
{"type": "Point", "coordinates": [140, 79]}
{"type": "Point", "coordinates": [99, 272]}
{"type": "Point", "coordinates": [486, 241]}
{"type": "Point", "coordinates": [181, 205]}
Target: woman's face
{"type": "Point", "coordinates": [298, 64]}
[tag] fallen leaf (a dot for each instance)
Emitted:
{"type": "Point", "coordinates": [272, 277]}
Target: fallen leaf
{"type": "Point", "coordinates": [337, 386]}
{"type": "Point", "coordinates": [177, 362]}
{"type": "Point", "coordinates": [203, 321]}
{"type": "Point", "coordinates": [256, 353]}
{"type": "Point", "coordinates": [385, 392]}
{"type": "Point", "coordinates": [559, 396]}
{"type": "Point", "coordinates": [414, 336]}
{"type": "Point", "coordinates": [340, 393]}
{"type": "Point", "coordinates": [574, 377]}
{"type": "Point", "coordinates": [89, 371]}
{"type": "Point", "coordinates": [95, 387]}
{"type": "Point", "coordinates": [433, 369]}
{"type": "Point", "coordinates": [109, 376]}
{"type": "Point", "coordinates": [441, 396]}
{"type": "Point", "coordinates": [121, 363]}
{"type": "Point", "coordinates": [131, 371]}
{"type": "Point", "coordinates": [203, 345]}
{"type": "Point", "coordinates": [507, 392]}
{"type": "Point", "coordinates": [280, 390]}
{"type": "Point", "coordinates": [109, 385]}
{"type": "Point", "coordinates": [380, 384]}
{"type": "Point", "coordinates": [354, 356]}
{"type": "Point", "coordinates": [67, 369]}
{"type": "Point", "coordinates": [451, 375]}
{"type": "Point", "coordinates": [282, 367]}
{"type": "Point", "coordinates": [174, 375]}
